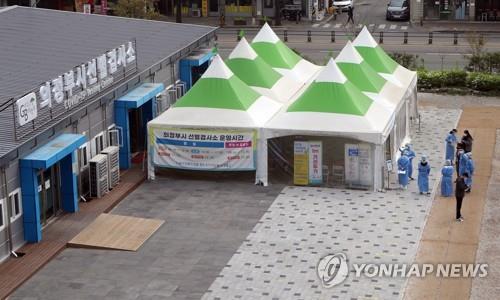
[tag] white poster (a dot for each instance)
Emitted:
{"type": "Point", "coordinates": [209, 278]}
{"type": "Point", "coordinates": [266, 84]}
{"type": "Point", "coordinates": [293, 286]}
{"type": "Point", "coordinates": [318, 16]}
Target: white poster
{"type": "Point", "coordinates": [351, 163]}
{"type": "Point", "coordinates": [358, 164]}
{"type": "Point", "coordinates": [365, 165]}
{"type": "Point", "coordinates": [315, 162]}
{"type": "Point", "coordinates": [203, 149]}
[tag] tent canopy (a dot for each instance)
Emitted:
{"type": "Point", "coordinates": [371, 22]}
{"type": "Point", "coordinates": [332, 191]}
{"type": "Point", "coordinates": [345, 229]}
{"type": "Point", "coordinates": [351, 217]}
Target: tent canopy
{"type": "Point", "coordinates": [332, 105]}
{"type": "Point", "coordinates": [274, 52]}
{"type": "Point", "coordinates": [255, 72]}
{"type": "Point", "coordinates": [219, 99]}
{"type": "Point", "coordinates": [382, 63]}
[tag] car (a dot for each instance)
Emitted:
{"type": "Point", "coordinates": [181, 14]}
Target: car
{"type": "Point", "coordinates": [343, 5]}
{"type": "Point", "coordinates": [398, 10]}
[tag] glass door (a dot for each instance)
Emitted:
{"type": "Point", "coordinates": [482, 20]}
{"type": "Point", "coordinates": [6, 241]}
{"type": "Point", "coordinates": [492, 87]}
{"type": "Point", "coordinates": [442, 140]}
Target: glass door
{"type": "Point", "coordinates": [49, 193]}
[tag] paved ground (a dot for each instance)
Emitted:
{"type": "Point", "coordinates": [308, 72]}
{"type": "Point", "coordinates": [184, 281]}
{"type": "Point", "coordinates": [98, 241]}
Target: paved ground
{"type": "Point", "coordinates": [489, 243]}
{"type": "Point", "coordinates": [15, 271]}
{"type": "Point", "coordinates": [208, 221]}
{"type": "Point", "coordinates": [205, 224]}
{"type": "Point", "coordinates": [278, 258]}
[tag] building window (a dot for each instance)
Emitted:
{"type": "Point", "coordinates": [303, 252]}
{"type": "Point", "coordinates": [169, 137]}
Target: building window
{"type": "Point", "coordinates": [2, 223]}
{"type": "Point", "coordinates": [113, 136]}
{"type": "Point", "coordinates": [16, 205]}
{"type": "Point", "coordinates": [83, 154]}
{"type": "Point", "coordinates": [98, 144]}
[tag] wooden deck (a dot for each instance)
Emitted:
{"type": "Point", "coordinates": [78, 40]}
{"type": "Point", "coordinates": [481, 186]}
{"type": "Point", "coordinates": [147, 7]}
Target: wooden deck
{"type": "Point", "coordinates": [15, 271]}
{"type": "Point", "coordinates": [116, 232]}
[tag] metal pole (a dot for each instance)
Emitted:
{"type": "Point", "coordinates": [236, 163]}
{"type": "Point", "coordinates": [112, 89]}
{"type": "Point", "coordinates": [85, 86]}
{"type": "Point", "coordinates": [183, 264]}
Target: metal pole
{"type": "Point", "coordinates": [309, 36]}
{"type": "Point", "coordinates": [381, 38]}
{"type": "Point", "coordinates": [333, 36]}
{"type": "Point", "coordinates": [9, 211]}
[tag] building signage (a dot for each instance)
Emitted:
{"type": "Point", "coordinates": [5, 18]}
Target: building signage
{"type": "Point", "coordinates": [300, 163]}
{"type": "Point", "coordinates": [26, 109]}
{"type": "Point", "coordinates": [78, 84]}
{"type": "Point", "coordinates": [203, 149]}
{"type": "Point", "coordinates": [315, 162]}
{"type": "Point", "coordinates": [204, 8]}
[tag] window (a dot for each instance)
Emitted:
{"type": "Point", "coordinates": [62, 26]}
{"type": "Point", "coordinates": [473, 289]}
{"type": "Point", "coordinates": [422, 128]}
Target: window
{"type": "Point", "coordinates": [15, 204]}
{"type": "Point", "coordinates": [113, 136]}
{"type": "Point", "coordinates": [2, 223]}
{"type": "Point", "coordinates": [98, 144]}
{"type": "Point", "coordinates": [83, 154]}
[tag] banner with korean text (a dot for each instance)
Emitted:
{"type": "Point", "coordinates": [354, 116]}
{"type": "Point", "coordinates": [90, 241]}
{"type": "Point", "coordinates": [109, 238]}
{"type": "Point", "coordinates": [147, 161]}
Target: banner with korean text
{"type": "Point", "coordinates": [198, 149]}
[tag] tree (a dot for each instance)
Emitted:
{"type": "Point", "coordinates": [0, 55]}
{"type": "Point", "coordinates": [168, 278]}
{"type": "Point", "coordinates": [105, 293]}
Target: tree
{"type": "Point", "coordinates": [139, 9]}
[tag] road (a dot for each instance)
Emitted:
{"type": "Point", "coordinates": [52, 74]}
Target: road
{"type": "Point", "coordinates": [441, 54]}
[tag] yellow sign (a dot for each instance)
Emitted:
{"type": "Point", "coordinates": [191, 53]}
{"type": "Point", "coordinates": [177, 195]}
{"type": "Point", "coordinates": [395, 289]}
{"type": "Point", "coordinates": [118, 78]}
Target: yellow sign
{"type": "Point", "coordinates": [204, 8]}
{"type": "Point", "coordinates": [301, 163]}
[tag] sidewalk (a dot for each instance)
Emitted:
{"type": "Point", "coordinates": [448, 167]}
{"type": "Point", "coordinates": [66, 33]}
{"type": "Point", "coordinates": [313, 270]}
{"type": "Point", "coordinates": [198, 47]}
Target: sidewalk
{"type": "Point", "coordinates": [15, 271]}
{"type": "Point", "coordinates": [446, 241]}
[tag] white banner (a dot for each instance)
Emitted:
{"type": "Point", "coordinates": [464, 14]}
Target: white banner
{"type": "Point", "coordinates": [203, 149]}
{"type": "Point", "coordinates": [315, 162]}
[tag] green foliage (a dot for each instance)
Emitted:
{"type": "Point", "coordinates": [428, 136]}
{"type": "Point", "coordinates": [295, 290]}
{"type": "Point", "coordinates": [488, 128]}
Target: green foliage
{"type": "Point", "coordinates": [483, 82]}
{"type": "Point", "coordinates": [484, 62]}
{"type": "Point", "coordinates": [459, 80]}
{"type": "Point", "coordinates": [139, 9]}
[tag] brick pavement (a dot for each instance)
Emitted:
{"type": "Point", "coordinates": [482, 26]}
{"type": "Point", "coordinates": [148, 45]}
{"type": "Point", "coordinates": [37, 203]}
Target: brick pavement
{"type": "Point", "coordinates": [446, 241]}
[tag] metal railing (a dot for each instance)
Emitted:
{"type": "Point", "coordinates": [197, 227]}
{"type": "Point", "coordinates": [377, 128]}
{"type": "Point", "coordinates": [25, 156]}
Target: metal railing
{"type": "Point", "coordinates": [395, 37]}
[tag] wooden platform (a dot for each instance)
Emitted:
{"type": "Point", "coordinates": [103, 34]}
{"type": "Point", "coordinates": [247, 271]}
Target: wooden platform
{"type": "Point", "coordinates": [116, 232]}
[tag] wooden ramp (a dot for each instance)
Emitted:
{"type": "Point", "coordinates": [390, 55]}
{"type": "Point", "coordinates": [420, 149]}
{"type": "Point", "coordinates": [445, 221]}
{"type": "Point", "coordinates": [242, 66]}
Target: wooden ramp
{"type": "Point", "coordinates": [116, 232]}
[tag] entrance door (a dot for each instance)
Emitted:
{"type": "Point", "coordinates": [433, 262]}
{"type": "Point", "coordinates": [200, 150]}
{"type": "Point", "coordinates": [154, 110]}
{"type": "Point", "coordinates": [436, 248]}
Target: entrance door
{"type": "Point", "coordinates": [213, 8]}
{"type": "Point", "coordinates": [49, 193]}
{"type": "Point", "coordinates": [137, 137]}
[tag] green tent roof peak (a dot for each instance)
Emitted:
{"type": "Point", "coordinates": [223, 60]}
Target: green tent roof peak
{"type": "Point", "coordinates": [219, 88]}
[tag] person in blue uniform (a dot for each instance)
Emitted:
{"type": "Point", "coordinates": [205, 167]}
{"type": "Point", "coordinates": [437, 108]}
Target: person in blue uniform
{"type": "Point", "coordinates": [451, 141]}
{"type": "Point", "coordinates": [469, 169]}
{"type": "Point", "coordinates": [424, 170]}
{"type": "Point", "coordinates": [462, 166]}
{"type": "Point", "coordinates": [447, 180]}
{"type": "Point", "coordinates": [411, 155]}
{"type": "Point", "coordinates": [403, 162]}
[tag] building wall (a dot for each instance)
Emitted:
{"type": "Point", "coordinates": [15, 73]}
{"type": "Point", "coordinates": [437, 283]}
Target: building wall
{"type": "Point", "coordinates": [416, 10]}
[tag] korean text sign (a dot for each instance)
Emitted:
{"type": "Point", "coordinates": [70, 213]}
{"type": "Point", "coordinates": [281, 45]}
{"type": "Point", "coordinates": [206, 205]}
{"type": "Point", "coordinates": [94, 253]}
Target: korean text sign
{"type": "Point", "coordinates": [203, 149]}
{"type": "Point", "coordinates": [78, 84]}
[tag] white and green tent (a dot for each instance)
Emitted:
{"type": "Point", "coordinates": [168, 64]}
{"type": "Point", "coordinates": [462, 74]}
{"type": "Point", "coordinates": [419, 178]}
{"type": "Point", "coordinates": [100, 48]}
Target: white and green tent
{"type": "Point", "coordinates": [273, 51]}
{"type": "Point", "coordinates": [361, 74]}
{"type": "Point", "coordinates": [333, 105]}
{"type": "Point", "coordinates": [219, 106]}
{"type": "Point", "coordinates": [220, 99]}
{"type": "Point", "coordinates": [382, 63]}
{"type": "Point", "coordinates": [266, 90]}
{"type": "Point", "coordinates": [386, 67]}
{"type": "Point", "coordinates": [256, 73]}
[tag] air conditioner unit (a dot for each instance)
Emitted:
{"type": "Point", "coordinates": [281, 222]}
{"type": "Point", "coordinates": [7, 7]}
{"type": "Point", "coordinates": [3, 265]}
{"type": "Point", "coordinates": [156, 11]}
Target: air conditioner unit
{"type": "Point", "coordinates": [98, 176]}
{"type": "Point", "coordinates": [113, 165]}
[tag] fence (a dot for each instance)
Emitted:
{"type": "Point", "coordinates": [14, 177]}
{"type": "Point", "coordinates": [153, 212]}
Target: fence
{"type": "Point", "coordinates": [382, 37]}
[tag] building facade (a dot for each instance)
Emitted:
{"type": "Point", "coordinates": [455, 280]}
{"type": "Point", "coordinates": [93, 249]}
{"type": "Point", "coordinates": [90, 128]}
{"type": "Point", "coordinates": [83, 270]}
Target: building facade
{"type": "Point", "coordinates": [455, 10]}
{"type": "Point", "coordinates": [71, 86]}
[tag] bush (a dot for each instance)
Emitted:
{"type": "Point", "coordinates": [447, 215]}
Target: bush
{"type": "Point", "coordinates": [457, 79]}
{"type": "Point", "coordinates": [483, 82]}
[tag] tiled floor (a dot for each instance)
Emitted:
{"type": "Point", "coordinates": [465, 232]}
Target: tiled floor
{"type": "Point", "coordinates": [279, 257]}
